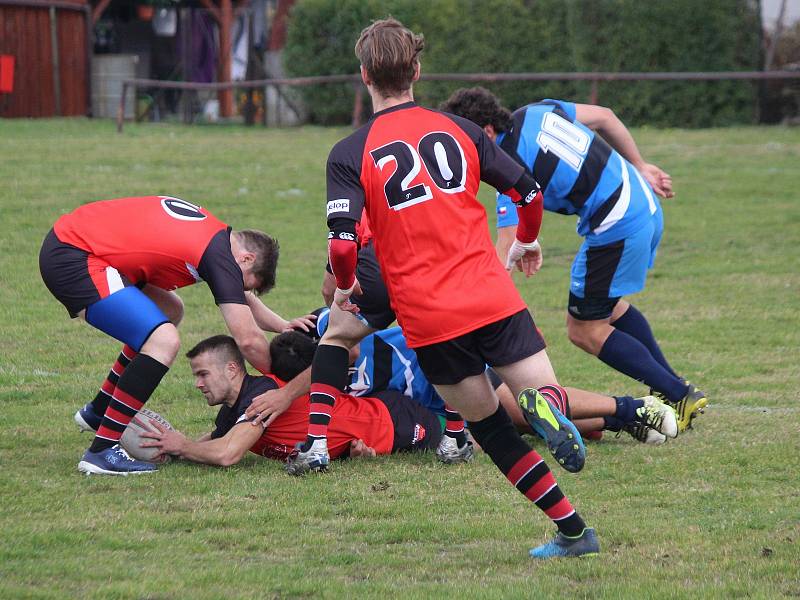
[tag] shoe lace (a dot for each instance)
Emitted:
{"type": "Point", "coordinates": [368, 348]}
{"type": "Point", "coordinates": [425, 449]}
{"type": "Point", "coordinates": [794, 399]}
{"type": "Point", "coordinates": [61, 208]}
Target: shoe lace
{"type": "Point", "coordinates": [121, 452]}
{"type": "Point", "coordinates": [650, 416]}
{"type": "Point", "coordinates": [636, 430]}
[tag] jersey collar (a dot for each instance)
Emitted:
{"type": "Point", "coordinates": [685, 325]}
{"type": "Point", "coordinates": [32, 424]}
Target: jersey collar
{"type": "Point", "coordinates": [404, 105]}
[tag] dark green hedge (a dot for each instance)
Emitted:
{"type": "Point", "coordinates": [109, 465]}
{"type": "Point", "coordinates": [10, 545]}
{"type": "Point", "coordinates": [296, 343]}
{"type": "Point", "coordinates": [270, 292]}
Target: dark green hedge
{"type": "Point", "coordinates": [548, 35]}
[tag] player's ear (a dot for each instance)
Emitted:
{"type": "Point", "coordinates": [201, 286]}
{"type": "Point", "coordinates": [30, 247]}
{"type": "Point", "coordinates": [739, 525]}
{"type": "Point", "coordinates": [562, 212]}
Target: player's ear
{"type": "Point", "coordinates": [489, 129]}
{"type": "Point", "coordinates": [365, 76]}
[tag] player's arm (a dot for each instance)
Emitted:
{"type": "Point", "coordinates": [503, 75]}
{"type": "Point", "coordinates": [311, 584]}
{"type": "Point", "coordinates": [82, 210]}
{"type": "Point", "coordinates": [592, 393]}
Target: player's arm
{"type": "Point", "coordinates": [248, 336]}
{"type": "Point", "coordinates": [271, 404]}
{"type": "Point", "coordinates": [224, 451]}
{"type": "Point", "coordinates": [605, 122]}
{"type": "Point", "coordinates": [269, 320]}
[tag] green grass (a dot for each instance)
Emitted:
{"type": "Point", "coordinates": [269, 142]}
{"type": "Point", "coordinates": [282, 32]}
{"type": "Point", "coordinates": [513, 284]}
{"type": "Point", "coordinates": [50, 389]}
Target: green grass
{"type": "Point", "coordinates": [715, 513]}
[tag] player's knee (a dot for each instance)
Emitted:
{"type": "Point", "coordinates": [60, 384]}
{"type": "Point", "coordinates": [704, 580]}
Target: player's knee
{"type": "Point", "coordinates": [174, 310]}
{"type": "Point", "coordinates": [163, 344]}
{"type": "Point", "coordinates": [581, 336]}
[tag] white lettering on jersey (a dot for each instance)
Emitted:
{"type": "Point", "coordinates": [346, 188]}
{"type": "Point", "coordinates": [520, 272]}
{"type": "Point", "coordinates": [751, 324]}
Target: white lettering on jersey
{"type": "Point", "coordinates": [341, 205]}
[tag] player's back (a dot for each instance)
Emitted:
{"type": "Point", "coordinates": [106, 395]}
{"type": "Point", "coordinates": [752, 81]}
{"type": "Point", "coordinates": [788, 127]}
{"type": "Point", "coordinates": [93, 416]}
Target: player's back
{"type": "Point", "coordinates": [158, 239]}
{"type": "Point", "coordinates": [420, 171]}
{"type": "Point", "coordinates": [578, 171]}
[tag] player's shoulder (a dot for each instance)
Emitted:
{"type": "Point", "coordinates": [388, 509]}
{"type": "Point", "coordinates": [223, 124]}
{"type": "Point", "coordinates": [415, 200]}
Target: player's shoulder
{"type": "Point", "coordinates": [350, 147]}
{"type": "Point", "coordinates": [471, 129]}
{"type": "Point", "coordinates": [563, 108]}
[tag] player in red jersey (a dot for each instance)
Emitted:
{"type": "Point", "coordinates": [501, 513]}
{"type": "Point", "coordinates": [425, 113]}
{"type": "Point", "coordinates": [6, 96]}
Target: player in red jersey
{"type": "Point", "coordinates": [417, 172]}
{"type": "Point", "coordinates": [365, 426]}
{"type": "Point", "coordinates": [115, 263]}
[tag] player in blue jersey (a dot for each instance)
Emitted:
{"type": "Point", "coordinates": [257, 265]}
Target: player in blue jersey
{"type": "Point", "coordinates": [587, 164]}
{"type": "Point", "coordinates": [383, 361]}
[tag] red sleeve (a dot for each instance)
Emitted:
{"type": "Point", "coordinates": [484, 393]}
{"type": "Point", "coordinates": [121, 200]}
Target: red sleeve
{"type": "Point", "coordinates": [343, 256]}
{"type": "Point", "coordinates": [530, 219]}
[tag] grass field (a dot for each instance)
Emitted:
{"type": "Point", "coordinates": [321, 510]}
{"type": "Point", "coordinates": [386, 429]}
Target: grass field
{"type": "Point", "coordinates": [715, 513]}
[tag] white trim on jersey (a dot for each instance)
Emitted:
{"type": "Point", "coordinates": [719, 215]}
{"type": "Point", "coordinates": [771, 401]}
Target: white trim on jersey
{"type": "Point", "coordinates": [621, 207]}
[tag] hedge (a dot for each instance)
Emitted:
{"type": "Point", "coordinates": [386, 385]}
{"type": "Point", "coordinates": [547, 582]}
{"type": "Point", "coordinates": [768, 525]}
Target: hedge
{"type": "Point", "coordinates": [548, 35]}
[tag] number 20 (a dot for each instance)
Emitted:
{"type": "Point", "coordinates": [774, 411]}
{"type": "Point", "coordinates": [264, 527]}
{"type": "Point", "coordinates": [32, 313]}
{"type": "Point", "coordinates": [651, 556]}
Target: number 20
{"type": "Point", "coordinates": [442, 157]}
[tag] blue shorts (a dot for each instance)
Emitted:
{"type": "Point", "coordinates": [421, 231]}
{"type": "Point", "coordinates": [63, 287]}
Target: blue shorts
{"type": "Point", "coordinates": [603, 271]}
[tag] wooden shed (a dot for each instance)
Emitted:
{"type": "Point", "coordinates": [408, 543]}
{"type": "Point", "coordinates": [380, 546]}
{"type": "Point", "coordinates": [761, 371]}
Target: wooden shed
{"type": "Point", "coordinates": [50, 42]}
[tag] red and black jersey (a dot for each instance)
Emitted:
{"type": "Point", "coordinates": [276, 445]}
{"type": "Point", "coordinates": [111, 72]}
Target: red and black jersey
{"type": "Point", "coordinates": [416, 172]}
{"type": "Point", "coordinates": [160, 240]}
{"type": "Point", "coordinates": [362, 418]}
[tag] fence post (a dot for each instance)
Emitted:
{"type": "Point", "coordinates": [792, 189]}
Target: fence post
{"type": "Point", "coordinates": [594, 92]}
{"type": "Point", "coordinates": [358, 105]}
{"type": "Point", "coordinates": [121, 109]}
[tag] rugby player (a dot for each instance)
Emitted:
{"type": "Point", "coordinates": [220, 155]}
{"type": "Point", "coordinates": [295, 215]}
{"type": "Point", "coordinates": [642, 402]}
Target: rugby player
{"type": "Point", "coordinates": [115, 263]}
{"type": "Point", "coordinates": [383, 361]}
{"type": "Point", "coordinates": [416, 172]}
{"type": "Point", "coordinates": [607, 183]}
{"type": "Point", "coordinates": [383, 423]}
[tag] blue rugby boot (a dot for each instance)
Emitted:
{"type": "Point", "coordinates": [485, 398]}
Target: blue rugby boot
{"type": "Point", "coordinates": [565, 547]}
{"type": "Point", "coordinates": [87, 419]}
{"type": "Point", "coordinates": [561, 436]}
{"type": "Point", "coordinates": [113, 461]}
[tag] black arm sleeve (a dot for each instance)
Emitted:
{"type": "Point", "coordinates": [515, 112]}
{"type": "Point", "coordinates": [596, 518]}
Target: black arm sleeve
{"type": "Point", "coordinates": [218, 268]}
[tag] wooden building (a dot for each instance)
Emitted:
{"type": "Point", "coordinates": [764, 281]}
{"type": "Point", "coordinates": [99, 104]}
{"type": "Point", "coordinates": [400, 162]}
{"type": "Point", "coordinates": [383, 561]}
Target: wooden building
{"type": "Point", "coordinates": [50, 42]}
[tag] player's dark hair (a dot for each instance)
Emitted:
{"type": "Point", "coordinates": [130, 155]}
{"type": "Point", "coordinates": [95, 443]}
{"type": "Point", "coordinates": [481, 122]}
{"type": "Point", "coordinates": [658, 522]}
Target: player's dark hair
{"type": "Point", "coordinates": [480, 106]}
{"type": "Point", "coordinates": [291, 353]}
{"type": "Point", "coordinates": [223, 345]}
{"type": "Point", "coordinates": [389, 52]}
{"type": "Point", "coordinates": [267, 250]}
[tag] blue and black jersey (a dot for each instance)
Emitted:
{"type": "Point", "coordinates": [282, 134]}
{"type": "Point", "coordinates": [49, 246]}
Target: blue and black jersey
{"type": "Point", "coordinates": [578, 171]}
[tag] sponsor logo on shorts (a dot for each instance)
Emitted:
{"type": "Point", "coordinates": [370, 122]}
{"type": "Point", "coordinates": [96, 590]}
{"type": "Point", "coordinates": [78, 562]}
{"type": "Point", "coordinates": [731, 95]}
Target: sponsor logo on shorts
{"type": "Point", "coordinates": [419, 434]}
{"type": "Point", "coordinates": [341, 205]}
{"type": "Point", "coordinates": [501, 210]}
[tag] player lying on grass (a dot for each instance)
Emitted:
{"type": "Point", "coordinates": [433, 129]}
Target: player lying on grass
{"type": "Point", "coordinates": [607, 183]}
{"type": "Point", "coordinates": [383, 423]}
{"type": "Point", "coordinates": [112, 263]}
{"type": "Point", "coordinates": [383, 361]}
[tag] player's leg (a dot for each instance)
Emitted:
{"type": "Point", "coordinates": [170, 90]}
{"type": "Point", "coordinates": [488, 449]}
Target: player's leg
{"type": "Point", "coordinates": [88, 418]}
{"type": "Point", "coordinates": [601, 275]}
{"type": "Point", "coordinates": [131, 317]}
{"type": "Point", "coordinates": [492, 428]}
{"type": "Point", "coordinates": [328, 380]}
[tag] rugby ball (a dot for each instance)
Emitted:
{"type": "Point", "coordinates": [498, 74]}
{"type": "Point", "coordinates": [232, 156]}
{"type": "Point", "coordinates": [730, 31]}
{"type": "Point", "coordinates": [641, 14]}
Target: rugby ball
{"type": "Point", "coordinates": [132, 436]}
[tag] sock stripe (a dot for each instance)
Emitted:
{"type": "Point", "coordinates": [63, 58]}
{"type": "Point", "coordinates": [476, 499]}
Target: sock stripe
{"type": "Point", "coordinates": [523, 465]}
{"type": "Point", "coordinates": [108, 434]}
{"type": "Point", "coordinates": [561, 510]}
{"type": "Point", "coordinates": [125, 398]}
{"type": "Point", "coordinates": [128, 352]}
{"type": "Point", "coordinates": [108, 387]}
{"type": "Point", "coordinates": [325, 390]}
{"type": "Point", "coordinates": [317, 430]}
{"type": "Point", "coordinates": [117, 415]}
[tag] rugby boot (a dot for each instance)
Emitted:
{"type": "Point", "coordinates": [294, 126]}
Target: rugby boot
{"type": "Point", "coordinates": [316, 458]}
{"type": "Point", "coordinates": [643, 433]}
{"type": "Point", "coordinates": [657, 415]}
{"type": "Point", "coordinates": [113, 461]}
{"type": "Point", "coordinates": [561, 436]}
{"type": "Point", "coordinates": [688, 407]}
{"type": "Point", "coordinates": [562, 546]}
{"type": "Point", "coordinates": [87, 419]}
{"type": "Point", "coordinates": [450, 453]}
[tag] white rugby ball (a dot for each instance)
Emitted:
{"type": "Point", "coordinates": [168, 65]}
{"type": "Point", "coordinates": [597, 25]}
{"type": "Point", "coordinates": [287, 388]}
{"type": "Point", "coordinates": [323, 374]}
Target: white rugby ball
{"type": "Point", "coordinates": [132, 436]}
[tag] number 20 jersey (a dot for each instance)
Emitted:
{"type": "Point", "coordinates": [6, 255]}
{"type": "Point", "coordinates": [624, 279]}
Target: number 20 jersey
{"type": "Point", "coordinates": [417, 173]}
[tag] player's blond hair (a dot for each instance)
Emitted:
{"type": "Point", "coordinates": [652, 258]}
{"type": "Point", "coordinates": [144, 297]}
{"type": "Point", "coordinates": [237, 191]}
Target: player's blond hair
{"type": "Point", "coordinates": [389, 52]}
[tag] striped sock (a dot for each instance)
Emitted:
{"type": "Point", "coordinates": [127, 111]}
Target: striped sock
{"type": "Point", "coordinates": [328, 378]}
{"type": "Point", "coordinates": [454, 426]}
{"type": "Point", "coordinates": [103, 397]}
{"type": "Point", "coordinates": [526, 470]}
{"type": "Point", "coordinates": [557, 396]}
{"type": "Point", "coordinates": [135, 386]}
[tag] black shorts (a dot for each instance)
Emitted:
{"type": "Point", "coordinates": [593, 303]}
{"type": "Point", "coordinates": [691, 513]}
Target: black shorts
{"type": "Point", "coordinates": [415, 427]}
{"type": "Point", "coordinates": [590, 309]}
{"type": "Point", "coordinates": [76, 278]}
{"type": "Point", "coordinates": [373, 303]}
{"type": "Point", "coordinates": [498, 344]}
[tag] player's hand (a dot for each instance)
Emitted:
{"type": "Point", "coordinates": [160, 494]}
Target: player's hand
{"type": "Point", "coordinates": [525, 257]}
{"type": "Point", "coordinates": [304, 323]}
{"type": "Point", "coordinates": [358, 449]}
{"type": "Point", "coordinates": [166, 440]}
{"type": "Point", "coordinates": [268, 406]}
{"type": "Point", "coordinates": [660, 181]}
{"type": "Point", "coordinates": [342, 297]}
